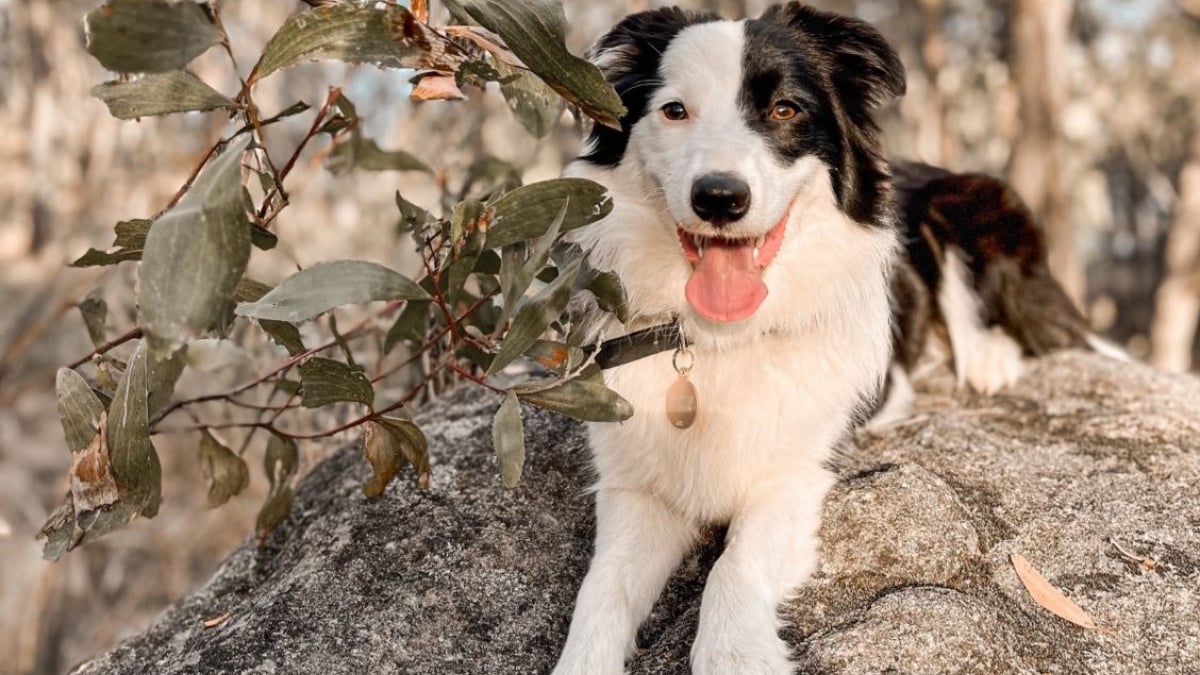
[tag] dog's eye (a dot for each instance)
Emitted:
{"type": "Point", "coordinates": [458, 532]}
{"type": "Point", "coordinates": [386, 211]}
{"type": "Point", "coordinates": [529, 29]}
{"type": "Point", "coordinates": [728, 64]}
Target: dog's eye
{"type": "Point", "coordinates": [784, 111]}
{"type": "Point", "coordinates": [674, 111]}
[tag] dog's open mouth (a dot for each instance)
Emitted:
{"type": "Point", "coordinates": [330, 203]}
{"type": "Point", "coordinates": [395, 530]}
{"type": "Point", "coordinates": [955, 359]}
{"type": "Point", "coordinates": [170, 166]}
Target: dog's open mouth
{"type": "Point", "coordinates": [726, 283]}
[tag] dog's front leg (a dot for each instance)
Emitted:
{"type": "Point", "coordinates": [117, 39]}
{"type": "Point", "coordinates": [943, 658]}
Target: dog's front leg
{"type": "Point", "coordinates": [639, 542]}
{"type": "Point", "coordinates": [770, 549]}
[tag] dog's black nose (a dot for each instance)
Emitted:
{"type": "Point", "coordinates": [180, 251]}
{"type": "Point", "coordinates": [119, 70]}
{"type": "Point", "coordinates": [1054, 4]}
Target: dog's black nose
{"type": "Point", "coordinates": [720, 198]}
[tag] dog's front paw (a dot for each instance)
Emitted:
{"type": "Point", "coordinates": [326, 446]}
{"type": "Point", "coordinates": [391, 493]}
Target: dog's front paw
{"type": "Point", "coordinates": [994, 364]}
{"type": "Point", "coordinates": [589, 661]}
{"type": "Point", "coordinates": [742, 661]}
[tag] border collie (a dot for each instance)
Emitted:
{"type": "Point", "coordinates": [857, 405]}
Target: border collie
{"type": "Point", "coordinates": [755, 215]}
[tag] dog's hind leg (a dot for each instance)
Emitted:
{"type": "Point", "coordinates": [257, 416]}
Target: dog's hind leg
{"type": "Point", "coordinates": [770, 549]}
{"type": "Point", "coordinates": [639, 543]}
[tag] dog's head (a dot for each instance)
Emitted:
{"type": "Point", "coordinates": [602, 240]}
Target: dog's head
{"type": "Point", "coordinates": [748, 146]}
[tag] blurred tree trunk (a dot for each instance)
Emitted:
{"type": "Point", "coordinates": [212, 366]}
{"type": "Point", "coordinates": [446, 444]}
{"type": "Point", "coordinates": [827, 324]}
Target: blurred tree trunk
{"type": "Point", "coordinates": [1177, 305]}
{"type": "Point", "coordinates": [933, 143]}
{"type": "Point", "coordinates": [1040, 37]}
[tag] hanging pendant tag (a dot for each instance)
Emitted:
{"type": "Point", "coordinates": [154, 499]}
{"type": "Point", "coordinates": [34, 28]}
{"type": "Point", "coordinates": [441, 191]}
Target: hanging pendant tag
{"type": "Point", "coordinates": [681, 397]}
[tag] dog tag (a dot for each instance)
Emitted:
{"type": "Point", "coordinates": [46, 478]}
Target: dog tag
{"type": "Point", "coordinates": [681, 397]}
{"type": "Point", "coordinates": [681, 403]}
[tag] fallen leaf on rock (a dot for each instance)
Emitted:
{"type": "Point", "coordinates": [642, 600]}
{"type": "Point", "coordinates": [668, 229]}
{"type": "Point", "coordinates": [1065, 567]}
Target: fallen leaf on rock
{"type": "Point", "coordinates": [1050, 598]}
{"type": "Point", "coordinates": [1146, 564]}
{"type": "Point", "coordinates": [213, 623]}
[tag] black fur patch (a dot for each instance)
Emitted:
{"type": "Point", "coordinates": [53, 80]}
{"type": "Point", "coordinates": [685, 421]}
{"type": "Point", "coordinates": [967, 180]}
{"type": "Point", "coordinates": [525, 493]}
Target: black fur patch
{"type": "Point", "coordinates": [630, 55]}
{"type": "Point", "coordinates": [1002, 247]}
{"type": "Point", "coordinates": [837, 70]}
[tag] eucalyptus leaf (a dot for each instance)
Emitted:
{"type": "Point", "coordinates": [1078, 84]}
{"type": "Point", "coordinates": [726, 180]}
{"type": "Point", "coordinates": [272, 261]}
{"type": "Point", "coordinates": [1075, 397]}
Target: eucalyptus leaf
{"type": "Point", "coordinates": [149, 36]}
{"type": "Point", "coordinates": [383, 454]}
{"type": "Point", "coordinates": [94, 311]}
{"type": "Point", "coordinates": [320, 288]}
{"type": "Point", "coordinates": [279, 463]}
{"type": "Point", "coordinates": [325, 381]}
{"type": "Point", "coordinates": [226, 474]}
{"type": "Point", "coordinates": [535, 31]}
{"type": "Point", "coordinates": [508, 438]}
{"type": "Point", "coordinates": [364, 153]}
{"type": "Point", "coordinates": [388, 37]}
{"type": "Point", "coordinates": [162, 374]}
{"type": "Point", "coordinates": [528, 212]}
{"type": "Point", "coordinates": [129, 243]}
{"type": "Point", "coordinates": [281, 333]}
{"type": "Point", "coordinates": [412, 443]}
{"type": "Point", "coordinates": [134, 459]}
{"type": "Point", "coordinates": [410, 326]}
{"type": "Point", "coordinates": [536, 106]}
{"type": "Point", "coordinates": [535, 316]}
{"type": "Point", "coordinates": [584, 397]}
{"type": "Point", "coordinates": [516, 274]}
{"type": "Point", "coordinates": [195, 255]}
{"type": "Point", "coordinates": [78, 408]}
{"type": "Point", "coordinates": [174, 91]}
{"type": "Point", "coordinates": [412, 217]}
{"type": "Point", "coordinates": [608, 290]}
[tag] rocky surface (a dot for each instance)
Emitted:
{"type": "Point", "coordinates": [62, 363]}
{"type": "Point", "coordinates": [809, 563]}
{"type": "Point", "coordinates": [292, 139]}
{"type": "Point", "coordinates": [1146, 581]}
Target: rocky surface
{"type": "Point", "coordinates": [1083, 456]}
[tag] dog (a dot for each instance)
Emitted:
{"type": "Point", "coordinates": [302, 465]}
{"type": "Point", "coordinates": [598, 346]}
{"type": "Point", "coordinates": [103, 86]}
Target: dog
{"type": "Point", "coordinates": [756, 216]}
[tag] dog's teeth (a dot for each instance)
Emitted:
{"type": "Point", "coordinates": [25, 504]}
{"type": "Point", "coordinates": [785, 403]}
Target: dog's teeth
{"type": "Point", "coordinates": [758, 243]}
{"type": "Point", "coordinates": [700, 249]}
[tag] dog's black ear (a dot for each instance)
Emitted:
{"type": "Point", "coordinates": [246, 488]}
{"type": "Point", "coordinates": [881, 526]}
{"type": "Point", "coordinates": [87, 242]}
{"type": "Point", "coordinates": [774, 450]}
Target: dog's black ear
{"type": "Point", "coordinates": [629, 57]}
{"type": "Point", "coordinates": [866, 68]}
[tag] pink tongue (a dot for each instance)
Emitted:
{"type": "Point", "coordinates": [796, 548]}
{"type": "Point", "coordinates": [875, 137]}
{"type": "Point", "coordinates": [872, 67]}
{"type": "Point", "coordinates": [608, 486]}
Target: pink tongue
{"type": "Point", "coordinates": [726, 284]}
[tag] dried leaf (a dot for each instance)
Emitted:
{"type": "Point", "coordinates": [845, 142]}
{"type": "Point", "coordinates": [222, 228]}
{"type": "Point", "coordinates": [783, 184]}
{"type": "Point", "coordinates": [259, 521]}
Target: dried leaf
{"type": "Point", "coordinates": [436, 86]}
{"type": "Point", "coordinates": [508, 438]}
{"type": "Point", "coordinates": [195, 255]}
{"type": "Point", "coordinates": [1049, 597]}
{"type": "Point", "coordinates": [217, 621]}
{"type": "Point", "coordinates": [325, 381]}
{"type": "Point", "coordinates": [384, 455]}
{"type": "Point", "coordinates": [528, 212]}
{"type": "Point", "coordinates": [279, 463]}
{"type": "Point", "coordinates": [320, 288]}
{"type": "Point", "coordinates": [174, 91]}
{"type": "Point", "coordinates": [389, 37]}
{"type": "Point", "coordinates": [149, 36]}
{"type": "Point", "coordinates": [226, 473]}
{"type": "Point", "coordinates": [420, 10]}
{"type": "Point", "coordinates": [412, 444]}
{"type": "Point", "coordinates": [93, 484]}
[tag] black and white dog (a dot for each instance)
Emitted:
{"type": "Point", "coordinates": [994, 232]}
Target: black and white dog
{"type": "Point", "coordinates": [755, 210]}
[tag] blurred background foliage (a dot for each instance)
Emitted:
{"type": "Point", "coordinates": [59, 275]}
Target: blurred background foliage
{"type": "Point", "coordinates": [1089, 106]}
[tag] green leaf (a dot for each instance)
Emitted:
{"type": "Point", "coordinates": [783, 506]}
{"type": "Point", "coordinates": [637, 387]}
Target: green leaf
{"type": "Point", "coordinates": [279, 463]}
{"type": "Point", "coordinates": [94, 310]}
{"type": "Point", "coordinates": [364, 153]}
{"type": "Point", "coordinates": [535, 316]}
{"type": "Point", "coordinates": [535, 31]}
{"type": "Point", "coordinates": [536, 106]}
{"type": "Point", "coordinates": [131, 239]}
{"type": "Point", "coordinates": [175, 91]}
{"type": "Point", "coordinates": [162, 374]}
{"type": "Point", "coordinates": [557, 356]}
{"type": "Point", "coordinates": [149, 36]}
{"type": "Point", "coordinates": [412, 216]}
{"type": "Point", "coordinates": [320, 288]}
{"type": "Point", "coordinates": [608, 290]}
{"type": "Point", "coordinates": [410, 326]}
{"type": "Point", "coordinates": [412, 444]}
{"type": "Point", "coordinates": [262, 238]}
{"type": "Point", "coordinates": [195, 255]}
{"type": "Point", "coordinates": [528, 212]}
{"type": "Point", "coordinates": [516, 274]}
{"type": "Point", "coordinates": [79, 409]}
{"type": "Point", "coordinates": [508, 438]}
{"type": "Point", "coordinates": [388, 37]}
{"type": "Point", "coordinates": [134, 459]}
{"type": "Point", "coordinates": [325, 381]}
{"type": "Point", "coordinates": [282, 333]}
{"type": "Point", "coordinates": [584, 397]}
{"type": "Point", "coordinates": [226, 473]}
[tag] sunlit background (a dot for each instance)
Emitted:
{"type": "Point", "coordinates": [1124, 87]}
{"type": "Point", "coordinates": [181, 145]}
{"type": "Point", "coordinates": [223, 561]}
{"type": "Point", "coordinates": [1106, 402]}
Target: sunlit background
{"type": "Point", "coordinates": [1090, 107]}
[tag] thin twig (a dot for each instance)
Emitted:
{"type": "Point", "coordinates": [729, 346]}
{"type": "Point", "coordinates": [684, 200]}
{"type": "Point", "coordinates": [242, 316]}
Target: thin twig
{"type": "Point", "coordinates": [134, 334]}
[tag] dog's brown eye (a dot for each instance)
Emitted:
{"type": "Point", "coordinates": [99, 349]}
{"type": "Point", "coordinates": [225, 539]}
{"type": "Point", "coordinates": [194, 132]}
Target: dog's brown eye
{"type": "Point", "coordinates": [784, 111]}
{"type": "Point", "coordinates": [674, 111]}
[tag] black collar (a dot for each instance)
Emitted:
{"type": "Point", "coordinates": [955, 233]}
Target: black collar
{"type": "Point", "coordinates": [638, 345]}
